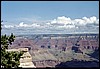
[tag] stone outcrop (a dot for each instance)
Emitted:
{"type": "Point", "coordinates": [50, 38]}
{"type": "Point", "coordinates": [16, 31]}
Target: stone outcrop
{"type": "Point", "coordinates": [26, 59]}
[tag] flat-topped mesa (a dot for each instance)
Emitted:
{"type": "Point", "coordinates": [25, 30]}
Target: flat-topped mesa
{"type": "Point", "coordinates": [26, 58]}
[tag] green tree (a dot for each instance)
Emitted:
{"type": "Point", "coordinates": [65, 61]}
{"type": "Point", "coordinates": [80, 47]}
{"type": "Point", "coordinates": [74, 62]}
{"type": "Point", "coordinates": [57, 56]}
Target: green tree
{"type": "Point", "coordinates": [9, 59]}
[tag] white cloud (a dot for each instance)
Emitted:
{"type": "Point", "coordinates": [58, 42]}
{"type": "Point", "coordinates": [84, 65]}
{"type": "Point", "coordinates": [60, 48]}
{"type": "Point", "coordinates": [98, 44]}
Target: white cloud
{"type": "Point", "coordinates": [35, 25]}
{"type": "Point", "coordinates": [54, 21]}
{"type": "Point", "coordinates": [66, 27]}
{"type": "Point", "coordinates": [92, 19]}
{"type": "Point", "coordinates": [62, 20]}
{"type": "Point", "coordinates": [8, 26]}
{"type": "Point", "coordinates": [60, 24]}
{"type": "Point", "coordinates": [97, 21]}
{"type": "Point", "coordinates": [65, 21]}
{"type": "Point", "coordinates": [23, 25]}
{"type": "Point", "coordinates": [48, 23]}
{"type": "Point", "coordinates": [79, 22]}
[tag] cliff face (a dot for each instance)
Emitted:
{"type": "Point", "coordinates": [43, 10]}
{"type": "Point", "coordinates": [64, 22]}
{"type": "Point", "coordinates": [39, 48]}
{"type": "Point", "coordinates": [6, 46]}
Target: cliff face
{"type": "Point", "coordinates": [64, 43]}
{"type": "Point", "coordinates": [23, 43]}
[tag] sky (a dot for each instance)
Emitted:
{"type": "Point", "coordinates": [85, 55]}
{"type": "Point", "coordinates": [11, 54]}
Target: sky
{"type": "Point", "coordinates": [50, 16]}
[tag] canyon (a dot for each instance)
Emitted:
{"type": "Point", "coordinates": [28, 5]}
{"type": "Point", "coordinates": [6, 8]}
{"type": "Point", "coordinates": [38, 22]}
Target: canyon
{"type": "Point", "coordinates": [49, 50]}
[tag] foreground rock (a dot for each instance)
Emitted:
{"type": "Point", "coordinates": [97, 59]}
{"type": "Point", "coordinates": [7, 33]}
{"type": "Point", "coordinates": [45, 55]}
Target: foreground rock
{"type": "Point", "coordinates": [26, 59]}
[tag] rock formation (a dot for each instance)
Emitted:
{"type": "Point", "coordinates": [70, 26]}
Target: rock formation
{"type": "Point", "coordinates": [26, 58]}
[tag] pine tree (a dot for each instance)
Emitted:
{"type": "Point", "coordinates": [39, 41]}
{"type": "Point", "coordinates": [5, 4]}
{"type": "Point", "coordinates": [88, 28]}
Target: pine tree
{"type": "Point", "coordinates": [9, 59]}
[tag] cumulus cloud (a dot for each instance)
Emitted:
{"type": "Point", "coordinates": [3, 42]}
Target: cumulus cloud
{"type": "Point", "coordinates": [61, 24]}
{"type": "Point", "coordinates": [23, 25]}
{"type": "Point", "coordinates": [8, 26]}
{"type": "Point", "coordinates": [66, 27]}
{"type": "Point", "coordinates": [83, 21]}
{"type": "Point", "coordinates": [28, 25]}
{"type": "Point", "coordinates": [61, 20]}
{"type": "Point", "coordinates": [67, 22]}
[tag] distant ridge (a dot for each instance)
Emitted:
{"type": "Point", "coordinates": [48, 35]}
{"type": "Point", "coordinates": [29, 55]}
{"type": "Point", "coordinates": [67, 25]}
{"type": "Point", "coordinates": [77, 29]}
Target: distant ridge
{"type": "Point", "coordinates": [76, 34]}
